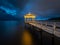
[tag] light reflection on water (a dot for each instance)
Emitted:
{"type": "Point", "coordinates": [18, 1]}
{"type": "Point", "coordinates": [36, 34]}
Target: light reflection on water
{"type": "Point", "coordinates": [13, 31]}
{"type": "Point", "coordinates": [27, 38]}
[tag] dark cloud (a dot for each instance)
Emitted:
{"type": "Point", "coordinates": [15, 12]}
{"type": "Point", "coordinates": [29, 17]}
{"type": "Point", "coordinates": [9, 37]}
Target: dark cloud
{"type": "Point", "coordinates": [10, 5]}
{"type": "Point", "coordinates": [18, 3]}
{"type": "Point", "coordinates": [46, 8]}
{"type": "Point", "coordinates": [14, 3]}
{"type": "Point", "coordinates": [42, 8]}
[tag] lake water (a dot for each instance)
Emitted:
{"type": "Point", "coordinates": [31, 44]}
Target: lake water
{"type": "Point", "coordinates": [11, 33]}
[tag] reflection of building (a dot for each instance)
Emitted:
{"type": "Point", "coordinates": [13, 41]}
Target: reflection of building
{"type": "Point", "coordinates": [29, 17]}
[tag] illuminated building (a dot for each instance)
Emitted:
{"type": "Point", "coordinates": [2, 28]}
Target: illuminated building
{"type": "Point", "coordinates": [29, 17]}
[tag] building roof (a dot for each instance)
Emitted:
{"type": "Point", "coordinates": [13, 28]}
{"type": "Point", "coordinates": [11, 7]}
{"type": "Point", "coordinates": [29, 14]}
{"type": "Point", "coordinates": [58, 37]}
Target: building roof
{"type": "Point", "coordinates": [29, 15]}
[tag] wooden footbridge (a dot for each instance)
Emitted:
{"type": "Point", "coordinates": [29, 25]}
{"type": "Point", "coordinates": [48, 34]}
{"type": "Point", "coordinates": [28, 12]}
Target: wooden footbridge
{"type": "Point", "coordinates": [51, 27]}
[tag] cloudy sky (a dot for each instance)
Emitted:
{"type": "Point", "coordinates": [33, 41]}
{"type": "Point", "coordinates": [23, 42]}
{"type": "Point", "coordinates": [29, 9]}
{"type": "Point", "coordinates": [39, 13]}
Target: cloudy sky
{"type": "Point", "coordinates": [43, 9]}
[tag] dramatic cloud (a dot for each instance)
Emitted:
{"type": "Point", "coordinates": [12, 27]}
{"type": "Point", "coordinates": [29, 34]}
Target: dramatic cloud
{"type": "Point", "coordinates": [13, 7]}
{"type": "Point", "coordinates": [8, 11]}
{"type": "Point", "coordinates": [43, 9]}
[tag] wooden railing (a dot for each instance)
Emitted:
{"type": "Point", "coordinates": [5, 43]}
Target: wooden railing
{"type": "Point", "coordinates": [50, 27]}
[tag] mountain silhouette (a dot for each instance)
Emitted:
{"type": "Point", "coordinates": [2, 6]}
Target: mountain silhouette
{"type": "Point", "coordinates": [55, 19]}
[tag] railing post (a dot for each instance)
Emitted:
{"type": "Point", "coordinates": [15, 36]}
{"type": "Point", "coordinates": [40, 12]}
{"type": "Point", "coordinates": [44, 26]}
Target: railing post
{"type": "Point", "coordinates": [54, 27]}
{"type": "Point", "coordinates": [46, 23]}
{"type": "Point", "coordinates": [40, 24]}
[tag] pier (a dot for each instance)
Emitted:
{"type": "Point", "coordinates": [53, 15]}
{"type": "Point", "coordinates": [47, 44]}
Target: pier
{"type": "Point", "coordinates": [48, 32]}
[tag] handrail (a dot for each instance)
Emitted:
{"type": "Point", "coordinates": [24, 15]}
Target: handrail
{"type": "Point", "coordinates": [45, 26]}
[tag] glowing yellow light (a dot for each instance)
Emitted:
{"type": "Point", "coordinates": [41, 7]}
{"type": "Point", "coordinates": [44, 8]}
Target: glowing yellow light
{"type": "Point", "coordinates": [29, 16]}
